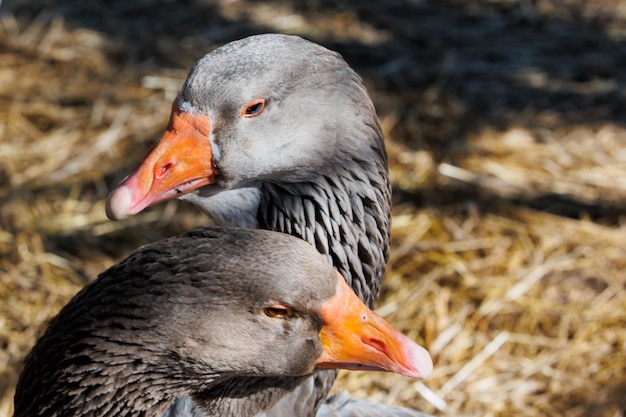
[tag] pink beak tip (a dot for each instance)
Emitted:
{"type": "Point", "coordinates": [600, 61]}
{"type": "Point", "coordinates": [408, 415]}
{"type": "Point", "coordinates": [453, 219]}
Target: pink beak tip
{"type": "Point", "coordinates": [422, 362]}
{"type": "Point", "coordinates": [118, 203]}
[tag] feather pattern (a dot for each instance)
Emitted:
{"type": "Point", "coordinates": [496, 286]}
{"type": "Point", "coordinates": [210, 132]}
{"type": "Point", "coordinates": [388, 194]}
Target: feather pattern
{"type": "Point", "coordinates": [346, 217]}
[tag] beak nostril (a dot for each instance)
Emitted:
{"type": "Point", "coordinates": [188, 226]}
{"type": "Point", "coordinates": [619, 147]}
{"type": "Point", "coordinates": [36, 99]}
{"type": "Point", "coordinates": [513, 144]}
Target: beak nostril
{"type": "Point", "coordinates": [164, 169]}
{"type": "Point", "coordinates": [376, 344]}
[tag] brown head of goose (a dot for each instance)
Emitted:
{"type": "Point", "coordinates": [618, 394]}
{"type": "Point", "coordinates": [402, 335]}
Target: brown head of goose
{"type": "Point", "coordinates": [233, 318]}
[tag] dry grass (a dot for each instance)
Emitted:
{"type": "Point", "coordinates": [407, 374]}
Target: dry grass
{"type": "Point", "coordinates": [508, 243]}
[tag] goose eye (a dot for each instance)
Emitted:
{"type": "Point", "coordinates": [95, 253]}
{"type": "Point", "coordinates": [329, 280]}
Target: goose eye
{"type": "Point", "coordinates": [253, 108]}
{"type": "Point", "coordinates": [277, 311]}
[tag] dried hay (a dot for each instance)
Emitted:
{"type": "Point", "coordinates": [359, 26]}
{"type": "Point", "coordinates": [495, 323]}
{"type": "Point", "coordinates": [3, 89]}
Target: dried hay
{"type": "Point", "coordinates": [584, 165]}
{"type": "Point", "coordinates": [523, 310]}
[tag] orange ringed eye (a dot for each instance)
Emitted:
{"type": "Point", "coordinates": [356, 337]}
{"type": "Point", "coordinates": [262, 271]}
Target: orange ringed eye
{"type": "Point", "coordinates": [277, 311]}
{"type": "Point", "coordinates": [253, 108]}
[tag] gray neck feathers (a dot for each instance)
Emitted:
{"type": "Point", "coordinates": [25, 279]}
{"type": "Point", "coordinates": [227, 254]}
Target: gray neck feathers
{"type": "Point", "coordinates": [346, 216]}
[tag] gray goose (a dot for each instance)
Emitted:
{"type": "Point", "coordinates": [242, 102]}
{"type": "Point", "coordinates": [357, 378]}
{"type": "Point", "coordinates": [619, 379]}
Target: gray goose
{"type": "Point", "coordinates": [233, 318]}
{"type": "Point", "coordinates": [278, 133]}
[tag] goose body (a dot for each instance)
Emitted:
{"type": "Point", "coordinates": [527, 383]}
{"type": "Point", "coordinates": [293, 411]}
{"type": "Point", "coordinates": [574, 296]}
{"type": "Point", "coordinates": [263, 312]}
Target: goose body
{"type": "Point", "coordinates": [234, 319]}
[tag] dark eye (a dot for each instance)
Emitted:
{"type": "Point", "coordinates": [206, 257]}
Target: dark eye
{"type": "Point", "coordinates": [277, 311]}
{"type": "Point", "coordinates": [254, 108]}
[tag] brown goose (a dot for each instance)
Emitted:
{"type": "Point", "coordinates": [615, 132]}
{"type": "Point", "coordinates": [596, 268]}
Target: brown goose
{"type": "Point", "coordinates": [233, 318]}
{"type": "Point", "coordinates": [278, 133]}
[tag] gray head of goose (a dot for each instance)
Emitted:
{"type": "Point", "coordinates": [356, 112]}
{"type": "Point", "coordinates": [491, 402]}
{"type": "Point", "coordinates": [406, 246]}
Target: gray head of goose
{"type": "Point", "coordinates": [233, 318]}
{"type": "Point", "coordinates": [276, 132]}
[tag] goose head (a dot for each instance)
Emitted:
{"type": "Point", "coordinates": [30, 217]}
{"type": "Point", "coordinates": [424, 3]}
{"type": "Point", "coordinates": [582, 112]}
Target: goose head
{"type": "Point", "coordinates": [233, 318]}
{"type": "Point", "coordinates": [269, 108]}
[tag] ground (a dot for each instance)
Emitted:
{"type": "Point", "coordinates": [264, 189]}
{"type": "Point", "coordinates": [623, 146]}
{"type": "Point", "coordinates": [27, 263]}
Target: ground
{"type": "Point", "coordinates": [505, 127]}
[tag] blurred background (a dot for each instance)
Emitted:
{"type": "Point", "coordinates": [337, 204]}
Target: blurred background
{"type": "Point", "coordinates": [505, 127]}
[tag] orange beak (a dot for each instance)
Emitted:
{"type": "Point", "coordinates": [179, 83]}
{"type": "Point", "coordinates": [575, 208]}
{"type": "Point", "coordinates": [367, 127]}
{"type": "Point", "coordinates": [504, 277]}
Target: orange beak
{"type": "Point", "coordinates": [356, 338]}
{"type": "Point", "coordinates": [182, 161]}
